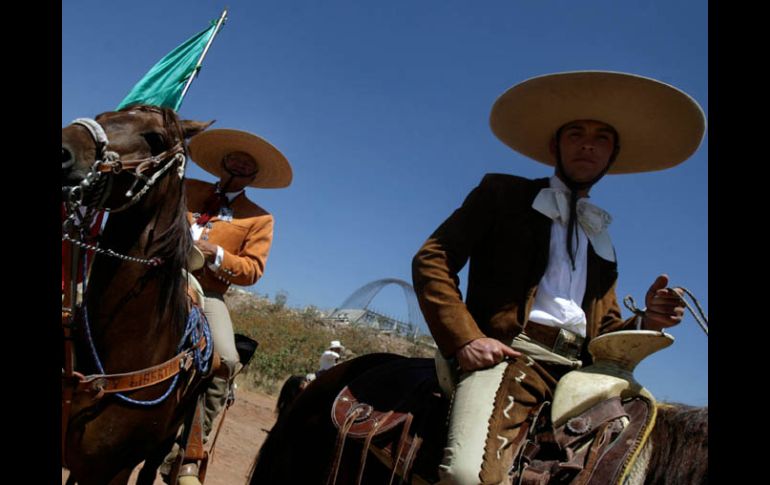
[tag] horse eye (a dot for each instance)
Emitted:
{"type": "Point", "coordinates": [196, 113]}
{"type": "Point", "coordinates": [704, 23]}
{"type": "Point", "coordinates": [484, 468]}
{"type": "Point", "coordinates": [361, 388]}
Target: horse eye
{"type": "Point", "coordinates": [156, 142]}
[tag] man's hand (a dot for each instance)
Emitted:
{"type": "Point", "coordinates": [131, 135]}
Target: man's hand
{"type": "Point", "coordinates": [482, 353]}
{"type": "Point", "coordinates": [665, 307]}
{"type": "Point", "coordinates": [209, 250]}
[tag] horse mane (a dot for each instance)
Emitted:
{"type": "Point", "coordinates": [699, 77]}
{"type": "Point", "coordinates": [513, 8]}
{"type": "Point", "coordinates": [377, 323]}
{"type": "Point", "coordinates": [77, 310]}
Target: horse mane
{"type": "Point", "coordinates": [679, 445]}
{"type": "Point", "coordinates": [174, 244]}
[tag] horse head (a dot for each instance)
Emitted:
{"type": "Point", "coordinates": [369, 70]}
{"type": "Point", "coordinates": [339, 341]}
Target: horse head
{"type": "Point", "coordinates": [107, 160]}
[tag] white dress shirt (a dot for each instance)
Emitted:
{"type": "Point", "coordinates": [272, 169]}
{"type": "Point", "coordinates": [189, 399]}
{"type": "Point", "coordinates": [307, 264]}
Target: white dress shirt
{"type": "Point", "coordinates": [197, 230]}
{"type": "Point", "coordinates": [561, 289]}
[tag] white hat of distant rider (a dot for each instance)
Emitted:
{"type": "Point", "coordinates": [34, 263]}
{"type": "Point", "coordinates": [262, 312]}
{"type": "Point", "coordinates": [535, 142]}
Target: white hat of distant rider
{"type": "Point", "coordinates": [335, 344]}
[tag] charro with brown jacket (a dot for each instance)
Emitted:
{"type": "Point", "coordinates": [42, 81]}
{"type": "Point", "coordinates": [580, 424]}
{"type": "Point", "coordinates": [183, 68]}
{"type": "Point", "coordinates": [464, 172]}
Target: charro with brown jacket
{"type": "Point", "coordinates": [507, 243]}
{"type": "Point", "coordinates": [543, 270]}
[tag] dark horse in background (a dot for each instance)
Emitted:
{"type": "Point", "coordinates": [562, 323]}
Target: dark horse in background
{"type": "Point", "coordinates": [291, 388]}
{"type": "Point", "coordinates": [135, 307]}
{"type": "Point", "coordinates": [301, 446]}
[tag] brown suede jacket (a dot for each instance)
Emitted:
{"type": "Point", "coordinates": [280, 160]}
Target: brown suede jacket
{"type": "Point", "coordinates": [507, 242]}
{"type": "Point", "coordinates": [246, 239]}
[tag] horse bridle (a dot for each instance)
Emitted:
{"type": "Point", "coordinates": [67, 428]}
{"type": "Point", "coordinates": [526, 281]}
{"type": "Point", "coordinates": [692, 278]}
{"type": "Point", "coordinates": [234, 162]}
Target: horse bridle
{"type": "Point", "coordinates": [97, 185]}
{"type": "Point", "coordinates": [109, 163]}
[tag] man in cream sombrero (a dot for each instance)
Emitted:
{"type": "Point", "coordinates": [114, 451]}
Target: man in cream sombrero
{"type": "Point", "coordinates": [543, 271]}
{"type": "Point", "coordinates": [233, 233]}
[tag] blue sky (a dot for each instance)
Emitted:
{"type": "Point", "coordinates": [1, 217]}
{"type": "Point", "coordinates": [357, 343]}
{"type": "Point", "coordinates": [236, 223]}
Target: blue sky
{"type": "Point", "coordinates": [382, 108]}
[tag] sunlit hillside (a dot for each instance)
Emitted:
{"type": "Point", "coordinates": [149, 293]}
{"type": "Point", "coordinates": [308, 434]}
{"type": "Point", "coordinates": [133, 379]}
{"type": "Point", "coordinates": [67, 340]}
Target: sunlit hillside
{"type": "Point", "coordinates": [292, 340]}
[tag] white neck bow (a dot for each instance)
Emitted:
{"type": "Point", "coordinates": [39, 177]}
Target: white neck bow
{"type": "Point", "coordinates": [554, 203]}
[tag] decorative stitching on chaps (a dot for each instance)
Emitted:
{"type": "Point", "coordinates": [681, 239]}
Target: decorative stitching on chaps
{"type": "Point", "coordinates": [511, 402]}
{"type": "Point", "coordinates": [524, 386]}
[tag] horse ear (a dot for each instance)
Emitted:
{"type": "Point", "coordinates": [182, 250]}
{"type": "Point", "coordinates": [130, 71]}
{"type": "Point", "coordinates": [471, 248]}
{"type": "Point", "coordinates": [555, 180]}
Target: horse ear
{"type": "Point", "coordinates": [192, 128]}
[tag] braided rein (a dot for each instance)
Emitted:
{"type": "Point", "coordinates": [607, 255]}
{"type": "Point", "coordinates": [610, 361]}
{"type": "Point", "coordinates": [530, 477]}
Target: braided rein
{"type": "Point", "coordinates": [700, 316]}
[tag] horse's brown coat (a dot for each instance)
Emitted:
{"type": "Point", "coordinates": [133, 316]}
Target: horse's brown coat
{"type": "Point", "coordinates": [136, 312]}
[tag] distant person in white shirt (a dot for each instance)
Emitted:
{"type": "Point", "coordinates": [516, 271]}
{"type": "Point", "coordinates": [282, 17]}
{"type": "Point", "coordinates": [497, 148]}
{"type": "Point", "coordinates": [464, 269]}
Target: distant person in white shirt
{"type": "Point", "coordinates": [331, 356]}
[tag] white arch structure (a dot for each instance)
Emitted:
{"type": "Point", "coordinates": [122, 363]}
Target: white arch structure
{"type": "Point", "coordinates": [362, 297]}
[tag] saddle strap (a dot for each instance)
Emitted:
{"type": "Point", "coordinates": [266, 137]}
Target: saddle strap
{"type": "Point", "coordinates": [600, 442]}
{"type": "Point", "coordinates": [401, 445]}
{"type": "Point", "coordinates": [342, 433]}
{"type": "Point", "coordinates": [399, 462]}
{"type": "Point", "coordinates": [361, 428]}
{"type": "Point", "coordinates": [193, 449]}
{"type": "Point", "coordinates": [368, 442]}
{"type": "Point", "coordinates": [101, 384]}
{"type": "Point", "coordinates": [578, 427]}
{"type": "Point", "coordinates": [617, 458]}
{"type": "Point", "coordinates": [219, 428]}
{"type": "Point", "coordinates": [410, 456]}
{"type": "Point", "coordinates": [528, 446]}
{"type": "Point", "coordinates": [534, 476]}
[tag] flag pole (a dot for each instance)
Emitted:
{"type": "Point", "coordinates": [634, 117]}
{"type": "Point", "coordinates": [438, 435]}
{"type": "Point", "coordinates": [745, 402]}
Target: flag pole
{"type": "Point", "coordinates": [221, 20]}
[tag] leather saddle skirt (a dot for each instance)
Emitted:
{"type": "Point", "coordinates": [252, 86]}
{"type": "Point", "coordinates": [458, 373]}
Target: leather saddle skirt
{"type": "Point", "coordinates": [395, 412]}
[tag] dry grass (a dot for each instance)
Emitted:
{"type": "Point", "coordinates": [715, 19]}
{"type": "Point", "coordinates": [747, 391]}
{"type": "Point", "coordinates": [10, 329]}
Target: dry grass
{"type": "Point", "coordinates": [292, 340]}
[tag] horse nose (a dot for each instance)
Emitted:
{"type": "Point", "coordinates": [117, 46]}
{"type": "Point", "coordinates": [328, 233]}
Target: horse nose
{"type": "Point", "coordinates": [67, 161]}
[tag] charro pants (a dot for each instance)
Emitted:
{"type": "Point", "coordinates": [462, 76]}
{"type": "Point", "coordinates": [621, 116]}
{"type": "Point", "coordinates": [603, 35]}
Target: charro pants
{"type": "Point", "coordinates": [224, 344]}
{"type": "Point", "coordinates": [488, 409]}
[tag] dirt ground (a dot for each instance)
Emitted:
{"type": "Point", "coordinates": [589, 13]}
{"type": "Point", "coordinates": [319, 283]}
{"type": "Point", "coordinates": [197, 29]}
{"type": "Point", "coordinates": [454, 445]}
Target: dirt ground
{"type": "Point", "coordinates": [245, 428]}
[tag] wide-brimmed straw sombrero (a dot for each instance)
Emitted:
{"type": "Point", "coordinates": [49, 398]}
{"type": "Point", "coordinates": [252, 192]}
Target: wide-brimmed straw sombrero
{"type": "Point", "coordinates": [209, 147]}
{"type": "Point", "coordinates": [659, 126]}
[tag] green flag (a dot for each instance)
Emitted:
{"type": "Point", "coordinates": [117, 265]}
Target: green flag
{"type": "Point", "coordinates": [164, 84]}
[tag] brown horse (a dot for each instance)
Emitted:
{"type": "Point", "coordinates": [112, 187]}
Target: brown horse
{"type": "Point", "coordinates": [300, 447]}
{"type": "Point", "coordinates": [135, 309]}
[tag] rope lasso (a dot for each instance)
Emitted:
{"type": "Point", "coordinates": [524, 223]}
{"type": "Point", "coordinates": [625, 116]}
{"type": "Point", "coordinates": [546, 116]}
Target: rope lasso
{"type": "Point", "coordinates": [196, 326]}
{"type": "Point", "coordinates": [700, 317]}
{"type": "Point", "coordinates": [702, 320]}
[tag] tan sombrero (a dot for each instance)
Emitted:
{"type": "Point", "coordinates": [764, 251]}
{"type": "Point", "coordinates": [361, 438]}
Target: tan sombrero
{"type": "Point", "coordinates": [659, 125]}
{"type": "Point", "coordinates": [209, 147]}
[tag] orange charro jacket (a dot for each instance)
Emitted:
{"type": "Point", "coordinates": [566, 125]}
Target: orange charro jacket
{"type": "Point", "coordinates": [246, 239]}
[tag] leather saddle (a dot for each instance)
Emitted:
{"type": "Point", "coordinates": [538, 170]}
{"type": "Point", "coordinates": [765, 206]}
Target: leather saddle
{"type": "Point", "coordinates": [396, 410]}
{"type": "Point", "coordinates": [597, 447]}
{"type": "Point", "coordinates": [390, 409]}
